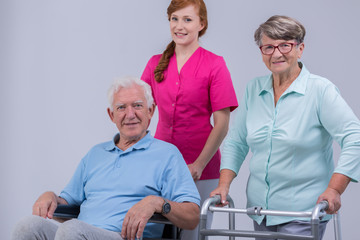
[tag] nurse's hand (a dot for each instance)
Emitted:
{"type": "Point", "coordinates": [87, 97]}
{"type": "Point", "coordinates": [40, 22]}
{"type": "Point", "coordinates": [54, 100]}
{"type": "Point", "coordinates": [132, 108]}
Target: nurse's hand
{"type": "Point", "coordinates": [195, 171]}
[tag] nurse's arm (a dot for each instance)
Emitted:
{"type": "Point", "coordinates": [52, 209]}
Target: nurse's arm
{"type": "Point", "coordinates": [213, 142]}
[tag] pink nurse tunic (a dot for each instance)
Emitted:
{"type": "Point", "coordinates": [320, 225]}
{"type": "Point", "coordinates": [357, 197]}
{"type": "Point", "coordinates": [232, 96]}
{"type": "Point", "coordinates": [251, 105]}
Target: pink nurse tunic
{"type": "Point", "coordinates": [186, 101]}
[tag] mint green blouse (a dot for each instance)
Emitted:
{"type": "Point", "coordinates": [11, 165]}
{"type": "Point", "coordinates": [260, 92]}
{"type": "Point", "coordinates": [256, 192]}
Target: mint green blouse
{"type": "Point", "coordinates": [291, 143]}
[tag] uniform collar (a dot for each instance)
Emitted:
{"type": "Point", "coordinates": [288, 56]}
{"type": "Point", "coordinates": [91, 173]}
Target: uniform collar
{"type": "Point", "coordinates": [298, 86]}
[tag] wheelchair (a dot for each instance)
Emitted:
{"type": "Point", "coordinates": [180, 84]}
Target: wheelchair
{"type": "Point", "coordinates": [171, 232]}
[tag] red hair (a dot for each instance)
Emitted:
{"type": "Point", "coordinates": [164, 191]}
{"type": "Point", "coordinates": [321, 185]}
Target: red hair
{"type": "Point", "coordinates": [174, 6]}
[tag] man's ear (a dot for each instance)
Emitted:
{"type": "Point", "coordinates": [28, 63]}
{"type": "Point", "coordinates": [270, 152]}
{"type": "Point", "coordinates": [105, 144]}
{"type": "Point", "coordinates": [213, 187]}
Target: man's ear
{"type": "Point", "coordinates": [152, 110]}
{"type": "Point", "coordinates": [111, 114]}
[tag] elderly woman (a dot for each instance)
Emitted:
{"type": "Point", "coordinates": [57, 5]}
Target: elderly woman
{"type": "Point", "coordinates": [289, 120]}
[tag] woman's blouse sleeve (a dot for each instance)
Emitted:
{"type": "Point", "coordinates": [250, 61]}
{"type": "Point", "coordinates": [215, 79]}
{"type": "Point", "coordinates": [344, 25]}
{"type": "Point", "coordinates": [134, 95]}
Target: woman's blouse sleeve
{"type": "Point", "coordinates": [342, 124]}
{"type": "Point", "coordinates": [235, 146]}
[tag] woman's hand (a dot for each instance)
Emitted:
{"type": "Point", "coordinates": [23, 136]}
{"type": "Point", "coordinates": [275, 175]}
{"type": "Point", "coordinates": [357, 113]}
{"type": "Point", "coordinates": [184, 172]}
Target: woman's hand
{"type": "Point", "coordinates": [226, 177]}
{"type": "Point", "coordinates": [195, 171]}
{"type": "Point", "coordinates": [213, 142]}
{"type": "Point", "coordinates": [336, 187]}
{"type": "Point", "coordinates": [332, 196]}
{"type": "Point", "coordinates": [223, 191]}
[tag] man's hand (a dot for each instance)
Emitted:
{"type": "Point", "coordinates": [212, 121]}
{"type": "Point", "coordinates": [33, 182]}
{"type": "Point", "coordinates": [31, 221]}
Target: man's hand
{"type": "Point", "coordinates": [138, 216]}
{"type": "Point", "coordinates": [45, 205]}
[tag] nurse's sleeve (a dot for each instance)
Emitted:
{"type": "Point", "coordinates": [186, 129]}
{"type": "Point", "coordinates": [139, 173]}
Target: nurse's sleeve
{"type": "Point", "coordinates": [342, 124]}
{"type": "Point", "coordinates": [235, 146]}
{"type": "Point", "coordinates": [222, 93]}
{"type": "Point", "coordinates": [74, 192]}
{"type": "Point", "coordinates": [148, 73]}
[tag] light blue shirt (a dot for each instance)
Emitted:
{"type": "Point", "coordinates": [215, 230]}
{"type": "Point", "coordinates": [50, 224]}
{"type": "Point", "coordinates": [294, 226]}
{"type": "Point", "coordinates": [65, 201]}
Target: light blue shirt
{"type": "Point", "coordinates": [291, 143]}
{"type": "Point", "coordinates": [109, 181]}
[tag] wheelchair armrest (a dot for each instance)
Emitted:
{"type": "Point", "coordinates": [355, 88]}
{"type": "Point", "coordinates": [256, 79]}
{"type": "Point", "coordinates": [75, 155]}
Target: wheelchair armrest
{"type": "Point", "coordinates": [170, 230]}
{"type": "Point", "coordinates": [67, 211]}
{"type": "Point", "coordinates": [72, 211]}
{"type": "Point", "coordinates": [158, 218]}
{"type": "Point", "coordinates": [64, 212]}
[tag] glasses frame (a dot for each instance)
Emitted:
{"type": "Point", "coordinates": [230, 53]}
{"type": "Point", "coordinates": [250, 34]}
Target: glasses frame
{"type": "Point", "coordinates": [292, 46]}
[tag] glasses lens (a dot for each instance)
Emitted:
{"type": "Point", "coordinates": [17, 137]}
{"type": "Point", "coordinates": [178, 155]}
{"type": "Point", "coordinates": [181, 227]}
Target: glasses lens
{"type": "Point", "coordinates": [285, 47]}
{"type": "Point", "coordinates": [267, 49]}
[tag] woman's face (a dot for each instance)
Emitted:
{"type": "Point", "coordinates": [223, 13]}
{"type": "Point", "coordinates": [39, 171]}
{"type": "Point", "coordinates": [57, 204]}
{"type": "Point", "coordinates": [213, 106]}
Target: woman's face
{"type": "Point", "coordinates": [185, 26]}
{"type": "Point", "coordinates": [279, 63]}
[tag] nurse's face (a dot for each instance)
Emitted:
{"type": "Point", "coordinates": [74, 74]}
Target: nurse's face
{"type": "Point", "coordinates": [185, 26]}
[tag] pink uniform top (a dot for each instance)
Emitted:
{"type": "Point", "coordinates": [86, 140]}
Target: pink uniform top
{"type": "Point", "coordinates": [187, 100]}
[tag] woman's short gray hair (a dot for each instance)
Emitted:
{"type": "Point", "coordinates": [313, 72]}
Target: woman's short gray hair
{"type": "Point", "coordinates": [280, 27]}
{"type": "Point", "coordinates": [127, 82]}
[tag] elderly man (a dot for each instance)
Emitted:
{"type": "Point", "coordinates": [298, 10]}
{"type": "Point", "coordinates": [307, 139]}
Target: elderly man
{"type": "Point", "coordinates": [120, 184]}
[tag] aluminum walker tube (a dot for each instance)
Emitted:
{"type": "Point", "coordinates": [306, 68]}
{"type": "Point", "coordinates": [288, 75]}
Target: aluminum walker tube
{"type": "Point", "coordinates": [204, 211]}
{"type": "Point", "coordinates": [316, 215]}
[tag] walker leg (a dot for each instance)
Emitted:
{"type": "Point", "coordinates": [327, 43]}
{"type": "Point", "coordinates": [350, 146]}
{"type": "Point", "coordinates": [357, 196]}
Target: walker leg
{"type": "Point", "coordinates": [315, 228]}
{"type": "Point", "coordinates": [337, 226]}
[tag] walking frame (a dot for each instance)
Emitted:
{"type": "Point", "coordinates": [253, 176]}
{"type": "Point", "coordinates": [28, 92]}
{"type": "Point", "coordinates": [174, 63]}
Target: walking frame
{"type": "Point", "coordinates": [316, 215]}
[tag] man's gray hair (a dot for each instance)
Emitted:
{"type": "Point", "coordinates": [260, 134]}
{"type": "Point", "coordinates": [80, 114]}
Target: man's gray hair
{"type": "Point", "coordinates": [127, 82]}
{"type": "Point", "coordinates": [280, 27]}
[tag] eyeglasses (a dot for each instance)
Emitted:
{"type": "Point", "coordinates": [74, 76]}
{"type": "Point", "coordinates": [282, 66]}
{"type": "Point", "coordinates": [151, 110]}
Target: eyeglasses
{"type": "Point", "coordinates": [284, 48]}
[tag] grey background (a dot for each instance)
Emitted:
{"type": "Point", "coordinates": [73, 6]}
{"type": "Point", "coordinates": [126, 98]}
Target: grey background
{"type": "Point", "coordinates": [57, 59]}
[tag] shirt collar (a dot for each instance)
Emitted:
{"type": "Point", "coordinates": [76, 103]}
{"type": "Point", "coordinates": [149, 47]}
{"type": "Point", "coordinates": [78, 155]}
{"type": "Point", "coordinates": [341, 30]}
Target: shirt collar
{"type": "Point", "coordinates": [141, 144]}
{"type": "Point", "coordinates": [298, 86]}
{"type": "Point", "coordinates": [267, 87]}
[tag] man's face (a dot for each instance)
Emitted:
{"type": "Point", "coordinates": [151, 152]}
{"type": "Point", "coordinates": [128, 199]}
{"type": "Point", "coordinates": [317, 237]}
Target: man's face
{"type": "Point", "coordinates": [131, 113]}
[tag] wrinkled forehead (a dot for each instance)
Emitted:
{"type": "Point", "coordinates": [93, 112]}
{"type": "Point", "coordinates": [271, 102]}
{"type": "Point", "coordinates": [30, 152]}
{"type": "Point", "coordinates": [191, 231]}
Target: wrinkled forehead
{"type": "Point", "coordinates": [127, 103]}
{"type": "Point", "coordinates": [130, 94]}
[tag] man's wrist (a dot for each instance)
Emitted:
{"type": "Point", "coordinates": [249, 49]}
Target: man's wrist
{"type": "Point", "coordinates": [166, 207]}
{"type": "Point", "coordinates": [156, 202]}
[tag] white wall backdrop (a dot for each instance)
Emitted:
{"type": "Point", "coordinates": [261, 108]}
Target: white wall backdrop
{"type": "Point", "coordinates": [57, 59]}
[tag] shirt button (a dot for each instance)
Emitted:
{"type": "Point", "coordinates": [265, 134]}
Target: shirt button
{"type": "Point", "coordinates": [177, 83]}
{"type": "Point", "coordinates": [170, 127]}
{"type": "Point", "coordinates": [173, 104]}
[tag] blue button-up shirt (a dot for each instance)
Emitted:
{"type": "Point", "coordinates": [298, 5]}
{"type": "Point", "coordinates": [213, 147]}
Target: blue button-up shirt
{"type": "Point", "coordinates": [109, 181]}
{"type": "Point", "coordinates": [291, 143]}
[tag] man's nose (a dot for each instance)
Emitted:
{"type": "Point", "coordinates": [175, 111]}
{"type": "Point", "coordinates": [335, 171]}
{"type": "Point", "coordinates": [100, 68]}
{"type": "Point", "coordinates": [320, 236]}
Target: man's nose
{"type": "Point", "coordinates": [130, 112]}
